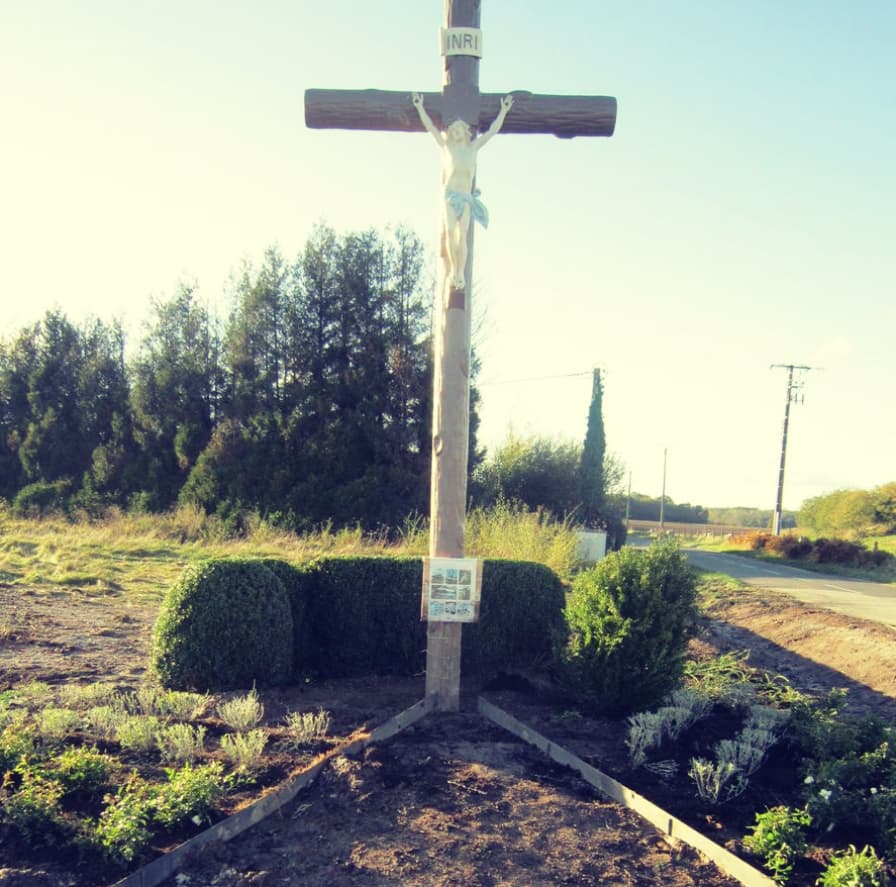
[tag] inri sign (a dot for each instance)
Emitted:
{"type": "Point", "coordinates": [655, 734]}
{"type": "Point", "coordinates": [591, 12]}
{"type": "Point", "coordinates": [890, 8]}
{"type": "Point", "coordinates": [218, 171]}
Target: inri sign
{"type": "Point", "coordinates": [461, 41]}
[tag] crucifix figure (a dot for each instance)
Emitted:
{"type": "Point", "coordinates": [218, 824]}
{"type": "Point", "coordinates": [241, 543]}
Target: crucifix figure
{"type": "Point", "coordinates": [460, 200]}
{"type": "Point", "coordinates": [453, 116]}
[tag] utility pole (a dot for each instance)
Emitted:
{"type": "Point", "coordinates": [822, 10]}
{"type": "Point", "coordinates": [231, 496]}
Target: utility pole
{"type": "Point", "coordinates": [663, 497]}
{"type": "Point", "coordinates": [794, 387]}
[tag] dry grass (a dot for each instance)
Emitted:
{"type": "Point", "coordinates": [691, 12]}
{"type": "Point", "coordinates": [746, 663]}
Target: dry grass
{"type": "Point", "coordinates": [142, 555]}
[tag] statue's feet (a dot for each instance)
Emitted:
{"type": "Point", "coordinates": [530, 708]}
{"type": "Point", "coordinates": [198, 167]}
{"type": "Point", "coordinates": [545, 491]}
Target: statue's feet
{"type": "Point", "coordinates": [458, 283]}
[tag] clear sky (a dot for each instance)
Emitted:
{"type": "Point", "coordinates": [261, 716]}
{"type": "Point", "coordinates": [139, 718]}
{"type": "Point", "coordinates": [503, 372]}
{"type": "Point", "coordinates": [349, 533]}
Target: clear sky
{"type": "Point", "coordinates": [743, 214]}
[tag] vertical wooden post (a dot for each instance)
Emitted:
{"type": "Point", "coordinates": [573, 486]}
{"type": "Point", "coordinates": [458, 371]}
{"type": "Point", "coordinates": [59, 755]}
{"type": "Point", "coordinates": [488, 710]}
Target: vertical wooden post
{"type": "Point", "coordinates": [451, 389]}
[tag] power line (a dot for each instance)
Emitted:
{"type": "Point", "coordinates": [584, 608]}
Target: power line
{"type": "Point", "coordinates": [534, 379]}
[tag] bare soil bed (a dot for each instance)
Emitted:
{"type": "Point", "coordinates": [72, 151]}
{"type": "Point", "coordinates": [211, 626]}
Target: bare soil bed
{"type": "Point", "coordinates": [454, 799]}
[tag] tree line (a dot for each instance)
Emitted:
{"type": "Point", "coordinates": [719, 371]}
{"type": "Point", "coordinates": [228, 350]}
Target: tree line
{"type": "Point", "coordinates": [852, 512]}
{"type": "Point", "coordinates": [309, 403]}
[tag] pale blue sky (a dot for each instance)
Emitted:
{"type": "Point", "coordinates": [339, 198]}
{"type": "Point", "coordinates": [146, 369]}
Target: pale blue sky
{"type": "Point", "coordinates": [742, 215]}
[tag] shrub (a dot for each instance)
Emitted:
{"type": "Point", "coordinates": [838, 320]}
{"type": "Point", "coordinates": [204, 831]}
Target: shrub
{"type": "Point", "coordinates": [41, 499]}
{"type": "Point", "coordinates": [778, 836]}
{"type": "Point", "coordinates": [852, 868]}
{"type": "Point", "coordinates": [81, 770]}
{"type": "Point", "coordinates": [179, 705]}
{"type": "Point", "coordinates": [837, 551]}
{"type": "Point", "coordinates": [104, 720]}
{"type": "Point", "coordinates": [181, 742]}
{"type": "Point", "coordinates": [757, 540]}
{"type": "Point", "coordinates": [629, 621]}
{"type": "Point", "coordinates": [296, 581]}
{"type": "Point", "coordinates": [224, 625]}
{"type": "Point", "coordinates": [350, 616]}
{"type": "Point", "coordinates": [55, 724]}
{"type": "Point", "coordinates": [789, 546]}
{"type": "Point", "coordinates": [242, 712]}
{"type": "Point", "coordinates": [520, 618]}
{"type": "Point", "coordinates": [717, 781]}
{"type": "Point", "coordinates": [305, 727]}
{"type": "Point", "coordinates": [364, 617]}
{"type": "Point", "coordinates": [16, 742]}
{"type": "Point", "coordinates": [138, 732]}
{"type": "Point", "coordinates": [33, 808]}
{"type": "Point", "coordinates": [122, 832]}
{"type": "Point", "coordinates": [245, 750]}
{"type": "Point", "coordinates": [190, 792]}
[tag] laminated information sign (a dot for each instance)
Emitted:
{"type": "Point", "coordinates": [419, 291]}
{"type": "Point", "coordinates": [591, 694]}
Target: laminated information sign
{"type": "Point", "coordinates": [451, 589]}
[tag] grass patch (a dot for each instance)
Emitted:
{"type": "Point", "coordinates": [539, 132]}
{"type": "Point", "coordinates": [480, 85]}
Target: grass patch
{"type": "Point", "coordinates": [141, 556]}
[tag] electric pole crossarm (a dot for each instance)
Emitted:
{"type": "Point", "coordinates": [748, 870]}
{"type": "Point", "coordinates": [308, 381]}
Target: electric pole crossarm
{"type": "Point", "coordinates": [377, 109]}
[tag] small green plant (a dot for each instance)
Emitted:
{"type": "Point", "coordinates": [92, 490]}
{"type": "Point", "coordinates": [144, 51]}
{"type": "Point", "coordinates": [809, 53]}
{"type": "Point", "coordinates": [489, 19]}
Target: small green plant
{"type": "Point", "coordinates": [306, 727]}
{"type": "Point", "coordinates": [34, 694]}
{"type": "Point", "coordinates": [137, 732]}
{"type": "Point", "coordinates": [745, 757]}
{"type": "Point", "coordinates": [778, 836]}
{"type": "Point", "coordinates": [55, 724]}
{"type": "Point", "coordinates": [16, 741]}
{"type": "Point", "coordinates": [724, 678]}
{"type": "Point", "coordinates": [190, 793]}
{"type": "Point", "coordinates": [697, 704]}
{"type": "Point", "coordinates": [245, 750]}
{"type": "Point", "coordinates": [645, 731]}
{"type": "Point", "coordinates": [103, 720]}
{"type": "Point", "coordinates": [122, 832]}
{"type": "Point", "coordinates": [242, 712]}
{"type": "Point", "coordinates": [144, 700]}
{"type": "Point", "coordinates": [181, 742]}
{"type": "Point", "coordinates": [180, 704]}
{"type": "Point", "coordinates": [717, 781]}
{"type": "Point", "coordinates": [853, 868]}
{"type": "Point", "coordinates": [82, 770]}
{"type": "Point", "coordinates": [82, 696]}
{"type": "Point", "coordinates": [33, 807]}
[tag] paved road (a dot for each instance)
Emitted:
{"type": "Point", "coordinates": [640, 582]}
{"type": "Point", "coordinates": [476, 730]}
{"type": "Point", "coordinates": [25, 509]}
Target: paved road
{"type": "Point", "coordinates": [855, 597]}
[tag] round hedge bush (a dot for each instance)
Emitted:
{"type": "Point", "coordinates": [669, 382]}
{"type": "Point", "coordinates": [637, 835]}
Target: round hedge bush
{"type": "Point", "coordinates": [629, 620]}
{"type": "Point", "coordinates": [224, 625]}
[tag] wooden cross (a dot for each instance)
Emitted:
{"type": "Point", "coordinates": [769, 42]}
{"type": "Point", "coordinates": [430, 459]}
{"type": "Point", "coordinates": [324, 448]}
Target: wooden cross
{"type": "Point", "coordinates": [460, 99]}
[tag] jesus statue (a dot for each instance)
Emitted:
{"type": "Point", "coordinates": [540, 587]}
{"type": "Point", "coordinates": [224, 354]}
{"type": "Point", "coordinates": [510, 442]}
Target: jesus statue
{"type": "Point", "coordinates": [460, 202]}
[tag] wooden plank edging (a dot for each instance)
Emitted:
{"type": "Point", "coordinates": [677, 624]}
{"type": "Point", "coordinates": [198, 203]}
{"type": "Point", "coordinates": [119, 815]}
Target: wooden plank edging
{"type": "Point", "coordinates": [672, 827]}
{"type": "Point", "coordinates": [153, 873]}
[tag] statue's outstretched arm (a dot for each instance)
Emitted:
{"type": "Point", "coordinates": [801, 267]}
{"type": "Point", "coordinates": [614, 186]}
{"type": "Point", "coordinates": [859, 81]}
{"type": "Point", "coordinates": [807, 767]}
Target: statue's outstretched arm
{"type": "Point", "coordinates": [425, 119]}
{"type": "Point", "coordinates": [497, 123]}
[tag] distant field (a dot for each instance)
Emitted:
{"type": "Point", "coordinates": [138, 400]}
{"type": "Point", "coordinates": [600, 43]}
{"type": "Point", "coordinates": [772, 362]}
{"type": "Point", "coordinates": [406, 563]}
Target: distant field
{"type": "Point", "coordinates": [681, 529]}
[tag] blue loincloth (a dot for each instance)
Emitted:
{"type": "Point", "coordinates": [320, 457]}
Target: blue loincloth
{"type": "Point", "coordinates": [457, 200]}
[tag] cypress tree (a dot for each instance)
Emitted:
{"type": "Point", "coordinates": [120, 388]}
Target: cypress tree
{"type": "Point", "coordinates": [592, 483]}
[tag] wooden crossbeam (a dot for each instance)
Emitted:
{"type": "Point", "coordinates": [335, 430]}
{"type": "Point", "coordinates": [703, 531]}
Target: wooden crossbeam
{"type": "Point", "coordinates": [564, 116]}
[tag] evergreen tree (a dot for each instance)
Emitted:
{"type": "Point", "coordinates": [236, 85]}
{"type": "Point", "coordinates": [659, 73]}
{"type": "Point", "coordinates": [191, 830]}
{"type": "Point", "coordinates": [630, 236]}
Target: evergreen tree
{"type": "Point", "coordinates": [592, 482]}
{"type": "Point", "coordinates": [176, 390]}
{"type": "Point", "coordinates": [63, 399]}
{"type": "Point", "coordinates": [255, 343]}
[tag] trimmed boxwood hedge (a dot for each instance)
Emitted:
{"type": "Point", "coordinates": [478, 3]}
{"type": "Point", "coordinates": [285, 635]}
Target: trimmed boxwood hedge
{"type": "Point", "coordinates": [520, 618]}
{"type": "Point", "coordinates": [224, 624]}
{"type": "Point", "coordinates": [355, 616]}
